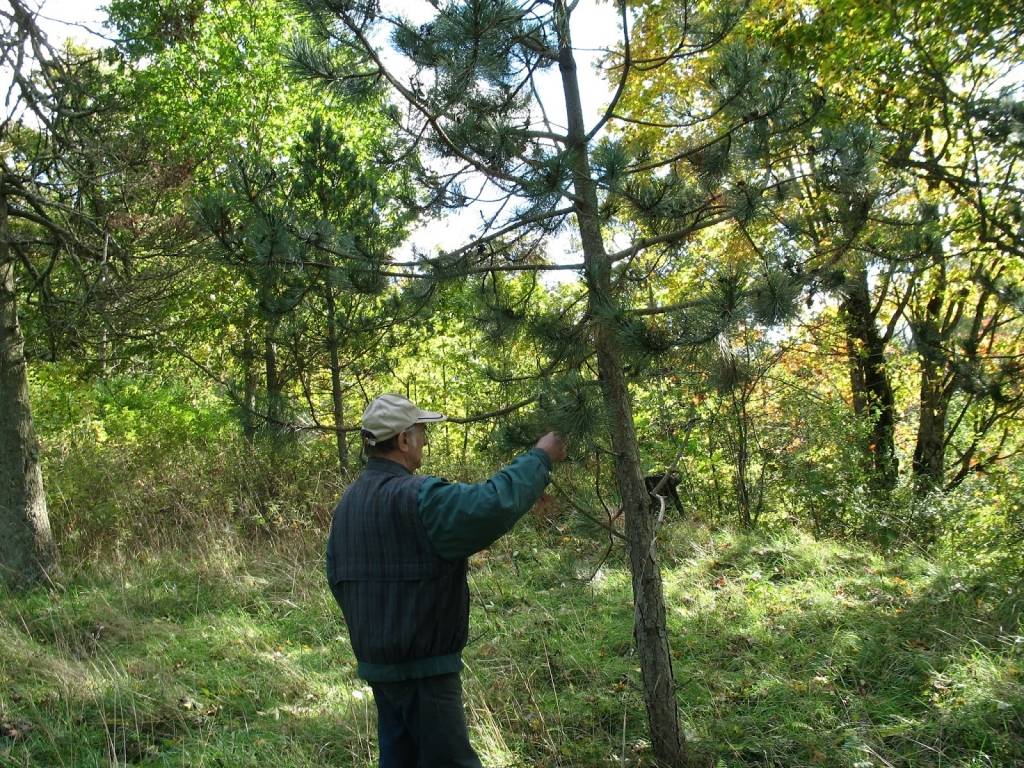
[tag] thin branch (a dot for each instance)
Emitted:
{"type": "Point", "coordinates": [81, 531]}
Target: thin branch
{"type": "Point", "coordinates": [671, 237]}
{"type": "Point", "coordinates": [493, 414]}
{"type": "Point", "coordinates": [569, 500]}
{"type": "Point", "coordinates": [622, 78]}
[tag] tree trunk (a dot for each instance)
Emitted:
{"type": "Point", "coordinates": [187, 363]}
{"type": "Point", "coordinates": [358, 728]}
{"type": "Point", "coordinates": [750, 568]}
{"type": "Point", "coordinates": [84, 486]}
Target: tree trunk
{"type": "Point", "coordinates": [742, 479]}
{"type": "Point", "coordinates": [930, 447]}
{"type": "Point", "coordinates": [103, 352]}
{"type": "Point", "coordinates": [337, 398]}
{"type": "Point", "coordinates": [27, 551]}
{"type": "Point", "coordinates": [250, 381]}
{"type": "Point", "coordinates": [869, 382]}
{"type": "Point", "coordinates": [649, 603]}
{"type": "Point", "coordinates": [275, 393]}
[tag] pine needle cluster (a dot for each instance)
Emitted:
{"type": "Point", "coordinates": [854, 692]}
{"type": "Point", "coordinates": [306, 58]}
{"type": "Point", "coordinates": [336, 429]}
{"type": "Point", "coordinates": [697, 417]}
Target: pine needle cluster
{"type": "Point", "coordinates": [570, 404]}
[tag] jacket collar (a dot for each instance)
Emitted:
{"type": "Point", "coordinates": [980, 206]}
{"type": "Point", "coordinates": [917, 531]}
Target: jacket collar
{"type": "Point", "coordinates": [377, 464]}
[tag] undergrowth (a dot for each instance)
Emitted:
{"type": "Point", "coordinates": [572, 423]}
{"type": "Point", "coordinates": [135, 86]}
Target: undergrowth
{"type": "Point", "coordinates": [788, 652]}
{"type": "Point", "coordinates": [191, 624]}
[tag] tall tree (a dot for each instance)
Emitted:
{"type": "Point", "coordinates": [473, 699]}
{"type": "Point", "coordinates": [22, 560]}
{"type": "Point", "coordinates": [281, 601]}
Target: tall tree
{"type": "Point", "coordinates": [471, 98]}
{"type": "Point", "coordinates": [211, 87]}
{"type": "Point", "coordinates": [27, 552]}
{"type": "Point", "coordinates": [943, 106]}
{"type": "Point", "coordinates": [308, 234]}
{"type": "Point", "coordinates": [38, 127]}
{"type": "Point", "coordinates": [72, 175]}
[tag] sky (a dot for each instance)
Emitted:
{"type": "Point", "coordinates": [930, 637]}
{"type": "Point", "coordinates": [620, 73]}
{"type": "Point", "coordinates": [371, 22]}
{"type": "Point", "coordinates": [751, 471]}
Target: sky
{"type": "Point", "coordinates": [61, 19]}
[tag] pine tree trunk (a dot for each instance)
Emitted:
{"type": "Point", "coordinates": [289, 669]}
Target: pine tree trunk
{"type": "Point", "coordinates": [27, 551]}
{"type": "Point", "coordinates": [869, 382]}
{"type": "Point", "coordinates": [337, 398]}
{"type": "Point", "coordinates": [649, 615]}
{"type": "Point", "coordinates": [250, 381]}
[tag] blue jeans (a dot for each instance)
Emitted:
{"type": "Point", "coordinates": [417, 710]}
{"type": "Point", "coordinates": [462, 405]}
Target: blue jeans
{"type": "Point", "coordinates": [421, 724]}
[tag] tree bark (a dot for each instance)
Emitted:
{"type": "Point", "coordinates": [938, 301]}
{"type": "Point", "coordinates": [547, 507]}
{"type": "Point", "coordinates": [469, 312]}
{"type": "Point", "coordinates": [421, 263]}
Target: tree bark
{"type": "Point", "coordinates": [934, 394]}
{"type": "Point", "coordinates": [337, 398]}
{"type": "Point", "coordinates": [250, 381]}
{"type": "Point", "coordinates": [742, 479]}
{"type": "Point", "coordinates": [649, 615]}
{"type": "Point", "coordinates": [27, 551]}
{"type": "Point", "coordinates": [275, 389]}
{"type": "Point", "coordinates": [930, 446]}
{"type": "Point", "coordinates": [869, 382]}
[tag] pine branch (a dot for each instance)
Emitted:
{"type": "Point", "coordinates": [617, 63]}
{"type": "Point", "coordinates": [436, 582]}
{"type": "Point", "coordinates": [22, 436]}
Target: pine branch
{"type": "Point", "coordinates": [579, 509]}
{"type": "Point", "coordinates": [424, 110]}
{"type": "Point", "coordinates": [493, 414]}
{"type": "Point", "coordinates": [674, 236]}
{"type": "Point", "coordinates": [668, 309]}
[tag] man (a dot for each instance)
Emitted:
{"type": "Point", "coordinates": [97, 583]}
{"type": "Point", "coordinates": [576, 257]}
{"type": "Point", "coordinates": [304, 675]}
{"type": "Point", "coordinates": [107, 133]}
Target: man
{"type": "Point", "coordinates": [397, 561]}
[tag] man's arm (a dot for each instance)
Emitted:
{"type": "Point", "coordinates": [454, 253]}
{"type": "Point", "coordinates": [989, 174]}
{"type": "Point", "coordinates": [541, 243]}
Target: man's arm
{"type": "Point", "coordinates": [463, 518]}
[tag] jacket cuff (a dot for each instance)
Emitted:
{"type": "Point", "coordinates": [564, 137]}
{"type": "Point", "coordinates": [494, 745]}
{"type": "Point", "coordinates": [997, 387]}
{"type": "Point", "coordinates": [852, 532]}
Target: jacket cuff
{"type": "Point", "coordinates": [543, 455]}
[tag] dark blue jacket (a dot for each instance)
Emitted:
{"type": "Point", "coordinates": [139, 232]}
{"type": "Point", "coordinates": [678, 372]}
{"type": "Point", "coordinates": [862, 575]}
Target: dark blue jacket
{"type": "Point", "coordinates": [397, 560]}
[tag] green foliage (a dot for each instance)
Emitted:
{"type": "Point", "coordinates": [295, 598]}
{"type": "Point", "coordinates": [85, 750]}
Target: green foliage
{"type": "Point", "coordinates": [213, 77]}
{"type": "Point", "coordinates": [775, 298]}
{"type": "Point", "coordinates": [309, 234]}
{"type": "Point", "coordinates": [609, 159]}
{"type": "Point", "coordinates": [845, 158]}
{"type": "Point", "coordinates": [558, 332]}
{"type": "Point", "coordinates": [496, 27]}
{"type": "Point", "coordinates": [131, 460]}
{"type": "Point", "coordinates": [124, 409]}
{"type": "Point", "coordinates": [150, 31]}
{"type": "Point", "coordinates": [643, 342]}
{"type": "Point", "coordinates": [663, 203]}
{"type": "Point", "coordinates": [303, 55]}
{"type": "Point", "coordinates": [981, 524]}
{"type": "Point", "coordinates": [569, 403]}
{"type": "Point", "coordinates": [711, 163]}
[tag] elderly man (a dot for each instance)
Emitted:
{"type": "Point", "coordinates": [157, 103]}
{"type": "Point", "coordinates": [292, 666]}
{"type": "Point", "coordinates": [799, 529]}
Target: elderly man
{"type": "Point", "coordinates": [397, 561]}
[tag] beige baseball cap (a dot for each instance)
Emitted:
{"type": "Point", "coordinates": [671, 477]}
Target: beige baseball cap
{"type": "Point", "coordinates": [388, 415]}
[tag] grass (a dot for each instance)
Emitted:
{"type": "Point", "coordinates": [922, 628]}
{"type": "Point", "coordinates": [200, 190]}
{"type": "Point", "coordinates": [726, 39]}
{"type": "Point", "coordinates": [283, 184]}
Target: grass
{"type": "Point", "coordinates": [788, 652]}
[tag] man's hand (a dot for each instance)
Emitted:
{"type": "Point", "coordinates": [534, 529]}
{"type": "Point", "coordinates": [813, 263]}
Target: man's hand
{"type": "Point", "coordinates": [553, 444]}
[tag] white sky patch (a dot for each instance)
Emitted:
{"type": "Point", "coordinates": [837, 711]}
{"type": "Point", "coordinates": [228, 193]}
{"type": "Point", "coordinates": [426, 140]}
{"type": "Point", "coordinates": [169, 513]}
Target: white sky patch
{"type": "Point", "coordinates": [78, 20]}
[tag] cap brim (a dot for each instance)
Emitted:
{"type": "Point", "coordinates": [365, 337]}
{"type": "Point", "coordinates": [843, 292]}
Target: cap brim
{"type": "Point", "coordinates": [430, 417]}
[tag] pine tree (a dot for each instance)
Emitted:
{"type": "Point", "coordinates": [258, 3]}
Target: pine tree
{"type": "Point", "coordinates": [307, 235]}
{"type": "Point", "coordinates": [467, 92]}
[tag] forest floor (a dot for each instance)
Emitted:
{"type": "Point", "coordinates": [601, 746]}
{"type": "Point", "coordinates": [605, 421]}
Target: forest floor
{"type": "Point", "coordinates": [788, 652]}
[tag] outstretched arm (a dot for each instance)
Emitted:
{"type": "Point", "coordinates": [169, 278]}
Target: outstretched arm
{"type": "Point", "coordinates": [463, 518]}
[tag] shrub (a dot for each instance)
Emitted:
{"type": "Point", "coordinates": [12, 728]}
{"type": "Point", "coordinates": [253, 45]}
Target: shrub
{"type": "Point", "coordinates": [130, 461]}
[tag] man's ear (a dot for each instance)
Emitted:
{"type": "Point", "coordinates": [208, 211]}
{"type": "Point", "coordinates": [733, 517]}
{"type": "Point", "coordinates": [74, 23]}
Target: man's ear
{"type": "Point", "coordinates": [403, 441]}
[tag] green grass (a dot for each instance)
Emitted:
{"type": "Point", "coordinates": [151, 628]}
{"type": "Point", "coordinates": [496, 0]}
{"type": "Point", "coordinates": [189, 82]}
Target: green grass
{"type": "Point", "coordinates": [787, 651]}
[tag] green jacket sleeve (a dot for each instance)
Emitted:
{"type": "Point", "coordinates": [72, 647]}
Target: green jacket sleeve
{"type": "Point", "coordinates": [462, 519]}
